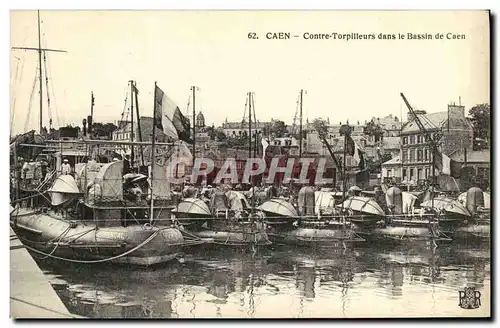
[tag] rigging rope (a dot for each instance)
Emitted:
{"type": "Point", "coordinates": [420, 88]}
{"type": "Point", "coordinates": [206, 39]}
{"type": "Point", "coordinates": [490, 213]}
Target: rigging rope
{"type": "Point", "coordinates": [244, 113]}
{"type": "Point", "coordinates": [47, 89]}
{"type": "Point", "coordinates": [31, 101]}
{"type": "Point", "coordinates": [295, 117]}
{"type": "Point", "coordinates": [13, 95]}
{"type": "Point", "coordinates": [52, 86]}
{"type": "Point", "coordinates": [125, 108]}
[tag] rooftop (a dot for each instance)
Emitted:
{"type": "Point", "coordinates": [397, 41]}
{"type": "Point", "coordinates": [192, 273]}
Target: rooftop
{"type": "Point", "coordinates": [430, 121]}
{"type": "Point", "coordinates": [388, 122]}
{"type": "Point", "coordinates": [395, 161]}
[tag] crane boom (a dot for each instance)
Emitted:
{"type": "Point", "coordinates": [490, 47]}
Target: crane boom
{"type": "Point", "coordinates": [433, 142]}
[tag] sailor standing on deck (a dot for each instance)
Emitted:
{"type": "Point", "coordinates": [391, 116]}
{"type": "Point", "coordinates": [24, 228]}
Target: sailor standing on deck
{"type": "Point", "coordinates": [65, 167]}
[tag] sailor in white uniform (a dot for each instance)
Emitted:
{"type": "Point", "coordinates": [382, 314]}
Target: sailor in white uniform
{"type": "Point", "coordinates": [65, 167]}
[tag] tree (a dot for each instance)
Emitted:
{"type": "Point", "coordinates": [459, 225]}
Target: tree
{"type": "Point", "coordinates": [374, 130]}
{"type": "Point", "coordinates": [278, 129]}
{"type": "Point", "coordinates": [480, 116]}
{"type": "Point", "coordinates": [321, 126]}
{"type": "Point", "coordinates": [375, 166]}
{"type": "Point", "coordinates": [104, 130]}
{"type": "Point", "coordinates": [210, 130]}
{"type": "Point", "coordinates": [220, 135]}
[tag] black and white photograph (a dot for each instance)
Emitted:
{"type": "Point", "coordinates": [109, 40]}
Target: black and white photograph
{"type": "Point", "coordinates": [250, 164]}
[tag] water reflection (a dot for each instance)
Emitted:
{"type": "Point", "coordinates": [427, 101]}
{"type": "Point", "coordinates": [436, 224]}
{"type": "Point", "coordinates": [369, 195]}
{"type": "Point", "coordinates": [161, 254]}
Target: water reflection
{"type": "Point", "coordinates": [279, 282]}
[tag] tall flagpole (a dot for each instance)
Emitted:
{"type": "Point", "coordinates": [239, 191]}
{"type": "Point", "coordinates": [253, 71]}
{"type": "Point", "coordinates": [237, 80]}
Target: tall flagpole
{"type": "Point", "coordinates": [153, 157]}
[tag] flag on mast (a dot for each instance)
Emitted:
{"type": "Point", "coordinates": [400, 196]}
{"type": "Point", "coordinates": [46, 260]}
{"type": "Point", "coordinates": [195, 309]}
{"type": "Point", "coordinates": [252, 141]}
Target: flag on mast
{"type": "Point", "coordinates": [265, 144]}
{"type": "Point", "coordinates": [447, 166]}
{"type": "Point", "coordinates": [353, 150]}
{"type": "Point", "coordinates": [170, 119]}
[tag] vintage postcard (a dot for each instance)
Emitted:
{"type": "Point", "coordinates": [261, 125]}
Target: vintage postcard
{"type": "Point", "coordinates": [250, 164]}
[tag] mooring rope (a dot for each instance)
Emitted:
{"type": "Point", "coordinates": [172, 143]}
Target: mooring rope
{"type": "Point", "coordinates": [153, 235]}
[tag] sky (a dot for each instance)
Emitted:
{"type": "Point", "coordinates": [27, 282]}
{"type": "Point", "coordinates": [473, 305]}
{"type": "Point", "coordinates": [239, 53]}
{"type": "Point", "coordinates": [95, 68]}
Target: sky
{"type": "Point", "coordinates": [355, 80]}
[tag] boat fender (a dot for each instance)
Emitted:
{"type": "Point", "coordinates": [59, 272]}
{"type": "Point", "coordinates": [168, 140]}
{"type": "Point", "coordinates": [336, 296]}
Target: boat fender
{"type": "Point", "coordinates": [148, 226]}
{"type": "Point", "coordinates": [72, 224]}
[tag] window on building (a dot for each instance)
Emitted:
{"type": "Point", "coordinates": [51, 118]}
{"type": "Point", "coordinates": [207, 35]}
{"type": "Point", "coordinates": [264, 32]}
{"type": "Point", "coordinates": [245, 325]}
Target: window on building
{"type": "Point", "coordinates": [412, 140]}
{"type": "Point", "coordinates": [419, 155]}
{"type": "Point", "coordinates": [427, 173]}
{"type": "Point", "coordinates": [412, 174]}
{"type": "Point", "coordinates": [412, 156]}
{"type": "Point", "coordinates": [405, 140]}
{"type": "Point", "coordinates": [389, 173]}
{"type": "Point", "coordinates": [420, 174]}
{"type": "Point", "coordinates": [404, 174]}
{"type": "Point", "coordinates": [426, 154]}
{"type": "Point", "coordinates": [405, 156]}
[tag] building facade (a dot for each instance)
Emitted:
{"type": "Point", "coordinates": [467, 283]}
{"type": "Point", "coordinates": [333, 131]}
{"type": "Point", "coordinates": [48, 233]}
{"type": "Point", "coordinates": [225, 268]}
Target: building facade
{"type": "Point", "coordinates": [314, 145]}
{"type": "Point", "coordinates": [416, 156]}
{"type": "Point", "coordinates": [240, 129]}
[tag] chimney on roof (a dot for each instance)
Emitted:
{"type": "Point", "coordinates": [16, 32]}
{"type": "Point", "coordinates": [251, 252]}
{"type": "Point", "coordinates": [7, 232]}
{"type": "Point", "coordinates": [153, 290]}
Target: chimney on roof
{"type": "Point", "coordinates": [456, 111]}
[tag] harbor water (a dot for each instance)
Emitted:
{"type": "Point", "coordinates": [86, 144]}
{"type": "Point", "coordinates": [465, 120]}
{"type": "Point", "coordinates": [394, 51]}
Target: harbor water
{"type": "Point", "coordinates": [283, 282]}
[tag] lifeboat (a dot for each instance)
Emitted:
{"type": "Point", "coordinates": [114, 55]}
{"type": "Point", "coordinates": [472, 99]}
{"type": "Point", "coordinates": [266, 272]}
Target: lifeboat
{"type": "Point", "coordinates": [64, 189]}
{"type": "Point", "coordinates": [325, 202]}
{"type": "Point", "coordinates": [363, 205]}
{"type": "Point", "coordinates": [451, 207]}
{"type": "Point", "coordinates": [278, 210]}
{"type": "Point", "coordinates": [474, 198]}
{"type": "Point", "coordinates": [192, 212]}
{"type": "Point", "coordinates": [364, 212]}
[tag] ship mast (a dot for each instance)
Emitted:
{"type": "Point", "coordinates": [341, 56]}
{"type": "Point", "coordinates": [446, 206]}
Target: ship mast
{"type": "Point", "coordinates": [193, 88]}
{"type": "Point", "coordinates": [132, 120]}
{"type": "Point", "coordinates": [39, 50]}
{"type": "Point", "coordinates": [40, 70]}
{"type": "Point", "coordinates": [153, 155]}
{"type": "Point", "coordinates": [300, 124]}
